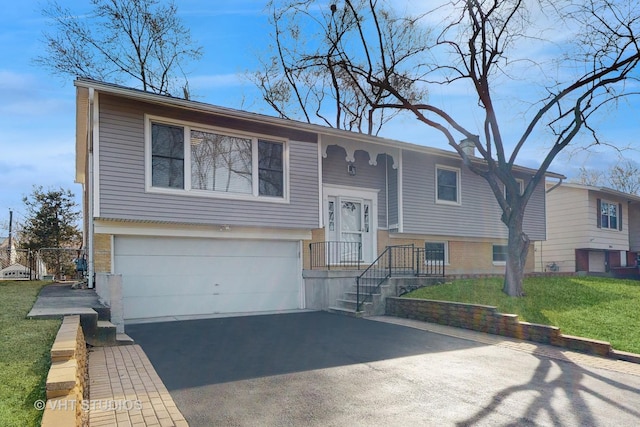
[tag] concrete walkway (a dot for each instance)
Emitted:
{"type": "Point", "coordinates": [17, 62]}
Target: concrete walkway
{"type": "Point", "coordinates": [125, 390]}
{"type": "Point", "coordinates": [61, 299]}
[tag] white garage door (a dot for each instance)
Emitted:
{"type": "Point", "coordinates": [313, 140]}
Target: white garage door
{"type": "Point", "coordinates": [165, 276]}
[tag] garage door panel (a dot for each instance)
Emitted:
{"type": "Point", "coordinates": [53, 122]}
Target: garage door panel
{"type": "Point", "coordinates": [157, 246]}
{"type": "Point", "coordinates": [176, 276]}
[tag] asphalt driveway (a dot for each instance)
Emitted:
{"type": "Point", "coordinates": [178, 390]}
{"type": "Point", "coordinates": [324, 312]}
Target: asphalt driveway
{"type": "Point", "coordinates": [316, 368]}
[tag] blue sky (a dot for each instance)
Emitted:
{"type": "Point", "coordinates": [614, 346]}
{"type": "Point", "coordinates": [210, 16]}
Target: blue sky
{"type": "Point", "coordinates": [37, 109]}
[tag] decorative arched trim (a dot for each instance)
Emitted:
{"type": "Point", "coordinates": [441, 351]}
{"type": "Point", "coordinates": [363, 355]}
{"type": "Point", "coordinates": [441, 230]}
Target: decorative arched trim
{"type": "Point", "coordinates": [373, 150]}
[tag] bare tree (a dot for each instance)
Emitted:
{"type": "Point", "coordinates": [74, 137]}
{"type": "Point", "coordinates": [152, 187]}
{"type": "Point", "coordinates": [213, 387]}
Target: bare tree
{"type": "Point", "coordinates": [592, 177]}
{"type": "Point", "coordinates": [312, 85]}
{"type": "Point", "coordinates": [480, 46]}
{"type": "Point", "coordinates": [623, 176]}
{"type": "Point", "coordinates": [121, 41]}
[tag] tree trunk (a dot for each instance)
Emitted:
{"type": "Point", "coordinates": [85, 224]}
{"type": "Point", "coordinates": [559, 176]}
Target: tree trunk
{"type": "Point", "coordinates": [518, 248]}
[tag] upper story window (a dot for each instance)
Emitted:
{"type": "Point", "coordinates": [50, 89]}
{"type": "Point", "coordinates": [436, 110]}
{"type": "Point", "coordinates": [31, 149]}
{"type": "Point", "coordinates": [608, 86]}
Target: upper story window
{"type": "Point", "coordinates": [609, 215]}
{"type": "Point", "coordinates": [216, 162]}
{"type": "Point", "coordinates": [167, 156]}
{"type": "Point", "coordinates": [447, 185]}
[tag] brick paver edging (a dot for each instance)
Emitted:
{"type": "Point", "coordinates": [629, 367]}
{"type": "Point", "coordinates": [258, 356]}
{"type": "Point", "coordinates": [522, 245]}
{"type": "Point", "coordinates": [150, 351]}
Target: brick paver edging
{"type": "Point", "coordinates": [483, 318]}
{"type": "Point", "coordinates": [125, 390]}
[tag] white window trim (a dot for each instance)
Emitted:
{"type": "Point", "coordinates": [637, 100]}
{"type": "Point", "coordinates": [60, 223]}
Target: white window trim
{"type": "Point", "coordinates": [458, 189]}
{"type": "Point", "coordinates": [446, 253]}
{"type": "Point", "coordinates": [498, 262]}
{"type": "Point", "coordinates": [187, 190]}
{"type": "Point", "coordinates": [520, 183]}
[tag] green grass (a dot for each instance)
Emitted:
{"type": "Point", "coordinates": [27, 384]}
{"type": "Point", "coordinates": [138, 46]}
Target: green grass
{"type": "Point", "coordinates": [24, 354]}
{"type": "Point", "coordinates": [592, 307]}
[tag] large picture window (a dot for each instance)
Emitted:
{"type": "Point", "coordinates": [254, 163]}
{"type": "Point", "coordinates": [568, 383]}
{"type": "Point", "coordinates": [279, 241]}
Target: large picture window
{"type": "Point", "coordinates": [447, 185]}
{"type": "Point", "coordinates": [220, 163]}
{"type": "Point", "coordinates": [215, 162]}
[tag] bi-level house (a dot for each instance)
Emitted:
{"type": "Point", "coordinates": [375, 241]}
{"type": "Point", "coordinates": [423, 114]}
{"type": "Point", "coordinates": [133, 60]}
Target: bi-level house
{"type": "Point", "coordinates": [591, 230]}
{"type": "Point", "coordinates": [202, 209]}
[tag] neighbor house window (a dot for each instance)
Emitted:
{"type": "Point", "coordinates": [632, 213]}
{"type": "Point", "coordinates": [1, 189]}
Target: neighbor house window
{"type": "Point", "coordinates": [436, 252]}
{"type": "Point", "coordinates": [447, 185]}
{"type": "Point", "coordinates": [609, 215]}
{"type": "Point", "coordinates": [167, 156]}
{"type": "Point", "coordinates": [216, 162]}
{"type": "Point", "coordinates": [500, 253]}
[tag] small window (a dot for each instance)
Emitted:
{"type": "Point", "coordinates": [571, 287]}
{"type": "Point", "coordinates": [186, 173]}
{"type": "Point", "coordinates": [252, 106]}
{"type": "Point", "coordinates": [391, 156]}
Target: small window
{"type": "Point", "coordinates": [447, 185]}
{"type": "Point", "coordinates": [500, 253]}
{"type": "Point", "coordinates": [167, 156]}
{"type": "Point", "coordinates": [520, 187]}
{"type": "Point", "coordinates": [435, 252]}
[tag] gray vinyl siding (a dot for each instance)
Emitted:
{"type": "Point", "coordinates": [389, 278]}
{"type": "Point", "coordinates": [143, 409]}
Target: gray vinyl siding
{"type": "Point", "coordinates": [478, 215]}
{"type": "Point", "coordinates": [334, 171]}
{"type": "Point", "coordinates": [122, 174]}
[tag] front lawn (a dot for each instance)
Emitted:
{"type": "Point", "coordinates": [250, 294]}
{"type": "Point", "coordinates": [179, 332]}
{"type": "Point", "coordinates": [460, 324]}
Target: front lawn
{"type": "Point", "coordinates": [592, 307]}
{"type": "Point", "coordinates": [24, 354]}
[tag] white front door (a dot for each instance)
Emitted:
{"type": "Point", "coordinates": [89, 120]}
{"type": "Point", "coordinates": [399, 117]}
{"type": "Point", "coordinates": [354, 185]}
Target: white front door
{"type": "Point", "coordinates": [351, 222]}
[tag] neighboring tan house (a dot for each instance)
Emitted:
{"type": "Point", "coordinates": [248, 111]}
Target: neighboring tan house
{"type": "Point", "coordinates": [589, 229]}
{"type": "Point", "coordinates": [203, 209]}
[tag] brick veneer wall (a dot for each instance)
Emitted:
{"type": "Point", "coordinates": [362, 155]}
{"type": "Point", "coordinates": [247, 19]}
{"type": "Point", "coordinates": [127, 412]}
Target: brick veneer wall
{"type": "Point", "coordinates": [102, 253]}
{"type": "Point", "coordinates": [487, 319]}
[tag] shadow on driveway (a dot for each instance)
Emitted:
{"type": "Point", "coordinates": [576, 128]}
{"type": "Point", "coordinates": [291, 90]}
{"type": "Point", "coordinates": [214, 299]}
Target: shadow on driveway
{"type": "Point", "coordinates": [193, 353]}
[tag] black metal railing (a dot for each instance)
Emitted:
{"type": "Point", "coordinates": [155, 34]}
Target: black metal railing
{"type": "Point", "coordinates": [393, 261]}
{"type": "Point", "coordinates": [335, 255]}
{"type": "Point", "coordinates": [429, 262]}
{"type": "Point", "coordinates": [401, 260]}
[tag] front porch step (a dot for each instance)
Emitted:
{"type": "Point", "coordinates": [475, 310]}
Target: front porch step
{"type": "Point", "coordinates": [104, 334]}
{"type": "Point", "coordinates": [353, 295]}
{"type": "Point", "coordinates": [124, 339]}
{"type": "Point", "coordinates": [348, 303]}
{"type": "Point", "coordinates": [345, 312]}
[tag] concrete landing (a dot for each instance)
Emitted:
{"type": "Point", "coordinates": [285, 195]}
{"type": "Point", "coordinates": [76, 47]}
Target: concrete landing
{"type": "Point", "coordinates": [60, 299]}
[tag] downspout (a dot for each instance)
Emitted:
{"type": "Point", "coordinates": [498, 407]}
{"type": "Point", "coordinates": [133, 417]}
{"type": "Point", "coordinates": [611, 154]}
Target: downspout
{"type": "Point", "coordinates": [558, 184]}
{"type": "Point", "coordinates": [555, 186]}
{"type": "Point", "coordinates": [90, 263]}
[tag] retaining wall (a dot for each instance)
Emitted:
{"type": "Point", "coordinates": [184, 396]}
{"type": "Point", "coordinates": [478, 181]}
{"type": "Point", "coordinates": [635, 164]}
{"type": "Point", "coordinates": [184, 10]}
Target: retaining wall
{"type": "Point", "coordinates": [66, 379]}
{"type": "Point", "coordinates": [487, 319]}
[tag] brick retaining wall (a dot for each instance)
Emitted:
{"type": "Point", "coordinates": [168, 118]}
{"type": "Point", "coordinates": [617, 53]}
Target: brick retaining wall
{"type": "Point", "coordinates": [487, 319]}
{"type": "Point", "coordinates": [66, 379]}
